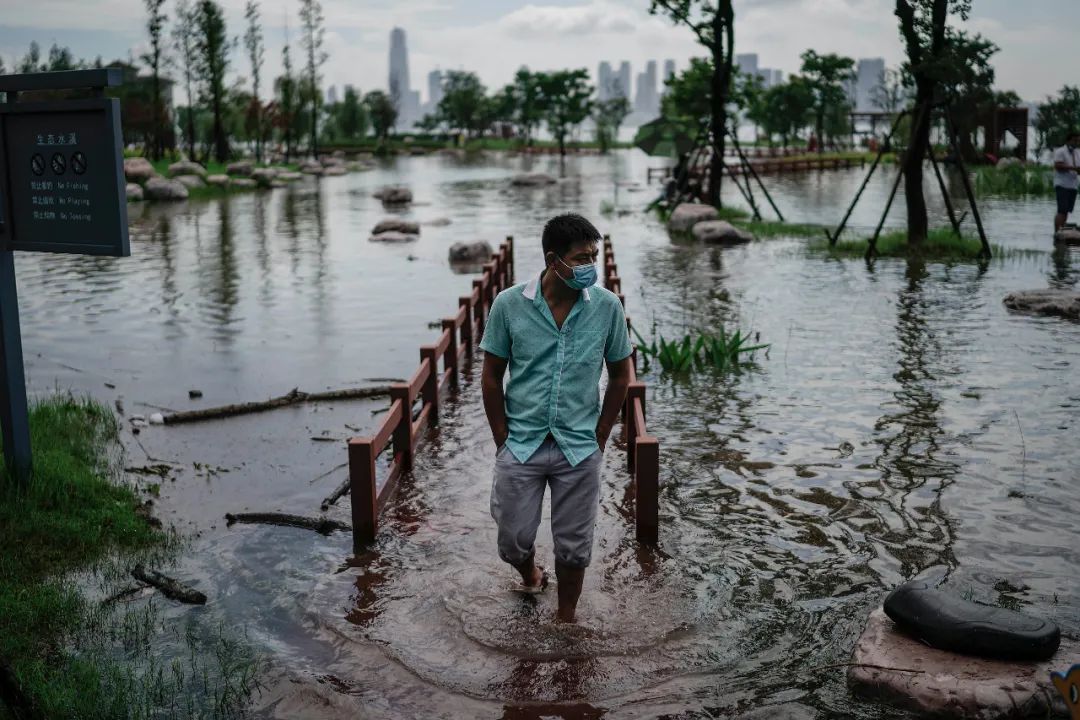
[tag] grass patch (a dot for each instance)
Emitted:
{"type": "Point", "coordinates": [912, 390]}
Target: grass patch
{"type": "Point", "coordinates": [70, 656]}
{"type": "Point", "coordinates": [1014, 180]}
{"type": "Point", "coordinates": [940, 244]}
{"type": "Point", "coordinates": [723, 351]}
{"type": "Point", "coordinates": [767, 228]}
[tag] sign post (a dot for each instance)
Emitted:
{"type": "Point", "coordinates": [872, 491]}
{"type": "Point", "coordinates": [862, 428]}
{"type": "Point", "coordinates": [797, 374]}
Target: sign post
{"type": "Point", "coordinates": [62, 189]}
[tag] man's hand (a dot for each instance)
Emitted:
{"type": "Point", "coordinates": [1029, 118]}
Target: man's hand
{"type": "Point", "coordinates": [602, 434]}
{"type": "Point", "coordinates": [500, 437]}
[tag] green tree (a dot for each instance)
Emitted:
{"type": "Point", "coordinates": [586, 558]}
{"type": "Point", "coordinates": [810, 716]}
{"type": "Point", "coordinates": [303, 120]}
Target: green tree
{"type": "Point", "coordinates": [608, 116]}
{"type": "Point", "coordinates": [213, 51]}
{"type": "Point", "coordinates": [789, 107]}
{"type": "Point", "coordinates": [253, 43]}
{"type": "Point", "coordinates": [463, 102]}
{"type": "Point", "coordinates": [827, 76]}
{"type": "Point", "coordinates": [713, 24]}
{"type": "Point", "coordinates": [287, 90]}
{"type": "Point", "coordinates": [967, 80]}
{"type": "Point", "coordinates": [927, 38]}
{"type": "Point", "coordinates": [311, 20]}
{"type": "Point", "coordinates": [60, 58]}
{"type": "Point", "coordinates": [155, 58]}
{"type": "Point", "coordinates": [351, 118]}
{"type": "Point", "coordinates": [381, 111]}
{"type": "Point", "coordinates": [748, 92]}
{"type": "Point", "coordinates": [1056, 117]}
{"type": "Point", "coordinates": [31, 61]}
{"type": "Point", "coordinates": [890, 94]}
{"type": "Point", "coordinates": [567, 101]}
{"type": "Point", "coordinates": [689, 93]}
{"type": "Point", "coordinates": [185, 47]}
{"type": "Point", "coordinates": [528, 103]}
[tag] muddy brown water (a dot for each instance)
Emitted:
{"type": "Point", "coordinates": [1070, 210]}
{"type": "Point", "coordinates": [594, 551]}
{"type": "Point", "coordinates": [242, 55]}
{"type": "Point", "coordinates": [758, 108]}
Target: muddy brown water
{"type": "Point", "coordinates": [902, 424]}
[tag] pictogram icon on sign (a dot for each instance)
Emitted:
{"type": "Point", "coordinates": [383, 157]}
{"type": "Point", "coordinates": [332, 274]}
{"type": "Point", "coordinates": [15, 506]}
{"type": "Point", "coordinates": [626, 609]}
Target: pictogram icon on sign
{"type": "Point", "coordinates": [59, 164]}
{"type": "Point", "coordinates": [78, 163]}
{"type": "Point", "coordinates": [37, 164]}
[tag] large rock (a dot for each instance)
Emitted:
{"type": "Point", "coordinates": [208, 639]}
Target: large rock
{"type": "Point", "coordinates": [533, 179]}
{"type": "Point", "coordinates": [330, 160]}
{"type": "Point", "coordinates": [392, 236]}
{"type": "Point", "coordinates": [394, 195]}
{"type": "Point", "coordinates": [395, 225]}
{"type": "Point", "coordinates": [288, 176]}
{"type": "Point", "coordinates": [1008, 162]}
{"type": "Point", "coordinates": [264, 176]}
{"type": "Point", "coordinates": [438, 222]}
{"type": "Point", "coordinates": [888, 663]}
{"type": "Point", "coordinates": [134, 192]}
{"type": "Point", "coordinates": [1067, 236]}
{"type": "Point", "coordinates": [190, 181]}
{"type": "Point", "coordinates": [219, 180]}
{"type": "Point", "coordinates": [334, 170]}
{"type": "Point", "coordinates": [311, 167]}
{"type": "Point", "coordinates": [687, 215]}
{"type": "Point", "coordinates": [159, 188]}
{"type": "Point", "coordinates": [243, 183]}
{"type": "Point", "coordinates": [720, 232]}
{"type": "Point", "coordinates": [186, 167]}
{"type": "Point", "coordinates": [138, 169]}
{"type": "Point", "coordinates": [474, 252]}
{"type": "Point", "coordinates": [241, 168]}
{"type": "Point", "coordinates": [1061, 303]}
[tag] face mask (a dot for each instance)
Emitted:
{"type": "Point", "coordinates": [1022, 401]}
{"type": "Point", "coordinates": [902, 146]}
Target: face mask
{"type": "Point", "coordinates": [584, 275]}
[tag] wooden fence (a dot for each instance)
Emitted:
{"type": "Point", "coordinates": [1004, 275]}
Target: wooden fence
{"type": "Point", "coordinates": [642, 449]}
{"type": "Point", "coordinates": [403, 426]}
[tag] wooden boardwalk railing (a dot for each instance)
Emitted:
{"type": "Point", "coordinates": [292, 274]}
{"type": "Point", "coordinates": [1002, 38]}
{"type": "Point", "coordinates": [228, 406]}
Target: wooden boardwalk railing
{"type": "Point", "coordinates": [403, 426]}
{"type": "Point", "coordinates": [642, 449]}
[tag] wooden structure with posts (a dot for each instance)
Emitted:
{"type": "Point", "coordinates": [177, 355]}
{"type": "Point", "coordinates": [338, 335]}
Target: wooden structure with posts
{"type": "Point", "coordinates": [642, 449]}
{"type": "Point", "coordinates": [402, 428]}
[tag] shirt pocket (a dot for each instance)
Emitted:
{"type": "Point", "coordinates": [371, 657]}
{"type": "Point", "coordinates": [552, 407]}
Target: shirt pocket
{"type": "Point", "coordinates": [589, 346]}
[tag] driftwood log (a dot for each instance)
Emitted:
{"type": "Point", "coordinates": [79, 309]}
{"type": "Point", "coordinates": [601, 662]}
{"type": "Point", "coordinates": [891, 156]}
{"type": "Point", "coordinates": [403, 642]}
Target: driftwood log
{"type": "Point", "coordinates": [338, 493]}
{"type": "Point", "coordinates": [321, 525]}
{"type": "Point", "coordinates": [293, 397]}
{"type": "Point", "coordinates": [173, 589]}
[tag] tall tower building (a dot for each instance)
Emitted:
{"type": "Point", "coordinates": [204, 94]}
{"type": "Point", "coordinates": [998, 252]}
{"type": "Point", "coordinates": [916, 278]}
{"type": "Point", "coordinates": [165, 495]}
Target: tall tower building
{"type": "Point", "coordinates": [669, 72]}
{"type": "Point", "coordinates": [604, 90]}
{"type": "Point", "coordinates": [747, 63]}
{"type": "Point", "coordinates": [434, 88]}
{"type": "Point", "coordinates": [868, 75]}
{"type": "Point", "coordinates": [624, 79]}
{"type": "Point", "coordinates": [405, 98]}
{"type": "Point", "coordinates": [647, 100]}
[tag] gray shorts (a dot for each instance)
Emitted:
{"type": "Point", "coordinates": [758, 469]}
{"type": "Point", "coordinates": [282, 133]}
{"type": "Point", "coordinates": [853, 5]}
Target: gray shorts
{"type": "Point", "coordinates": [517, 496]}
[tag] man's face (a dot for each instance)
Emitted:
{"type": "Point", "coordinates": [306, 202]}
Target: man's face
{"type": "Point", "coordinates": [578, 254]}
{"type": "Point", "coordinates": [1072, 140]}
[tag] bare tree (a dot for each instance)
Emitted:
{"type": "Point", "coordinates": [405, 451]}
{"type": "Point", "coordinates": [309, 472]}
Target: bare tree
{"type": "Point", "coordinates": [155, 58]}
{"type": "Point", "coordinates": [185, 44]}
{"type": "Point", "coordinates": [311, 20]}
{"type": "Point", "coordinates": [253, 42]}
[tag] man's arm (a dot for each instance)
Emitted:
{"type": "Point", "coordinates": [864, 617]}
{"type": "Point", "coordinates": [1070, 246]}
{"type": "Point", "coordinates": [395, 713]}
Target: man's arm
{"type": "Point", "coordinates": [618, 382]}
{"type": "Point", "coordinates": [491, 384]}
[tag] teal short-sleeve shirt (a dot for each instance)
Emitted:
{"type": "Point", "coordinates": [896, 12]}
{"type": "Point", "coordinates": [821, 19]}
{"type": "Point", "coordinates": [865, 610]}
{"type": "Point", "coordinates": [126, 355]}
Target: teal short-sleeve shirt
{"type": "Point", "coordinates": [554, 384]}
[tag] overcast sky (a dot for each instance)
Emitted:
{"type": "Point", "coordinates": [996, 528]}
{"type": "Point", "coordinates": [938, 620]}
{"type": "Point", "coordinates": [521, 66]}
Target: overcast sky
{"type": "Point", "coordinates": [495, 37]}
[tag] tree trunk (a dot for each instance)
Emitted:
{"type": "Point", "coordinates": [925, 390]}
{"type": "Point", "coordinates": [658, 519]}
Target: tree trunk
{"type": "Point", "coordinates": [314, 123]}
{"type": "Point", "coordinates": [717, 124]}
{"type": "Point", "coordinates": [819, 128]}
{"type": "Point", "coordinates": [919, 143]}
{"type": "Point", "coordinates": [221, 142]}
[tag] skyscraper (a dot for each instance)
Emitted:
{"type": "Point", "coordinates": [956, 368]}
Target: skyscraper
{"type": "Point", "coordinates": [604, 89]}
{"type": "Point", "coordinates": [405, 98]}
{"type": "Point", "coordinates": [331, 95]}
{"type": "Point", "coordinates": [435, 93]}
{"type": "Point", "coordinates": [747, 63]}
{"type": "Point", "coordinates": [669, 72]}
{"type": "Point", "coordinates": [624, 79]}
{"type": "Point", "coordinates": [647, 101]}
{"type": "Point", "coordinates": [868, 75]}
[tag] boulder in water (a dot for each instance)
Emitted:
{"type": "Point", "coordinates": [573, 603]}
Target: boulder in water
{"type": "Point", "coordinates": [1060, 303]}
{"type": "Point", "coordinates": [1067, 236]}
{"type": "Point", "coordinates": [190, 181]}
{"type": "Point", "coordinates": [474, 252]}
{"type": "Point", "coordinates": [138, 169]}
{"type": "Point", "coordinates": [311, 167]}
{"type": "Point", "coordinates": [687, 215]}
{"type": "Point", "coordinates": [288, 176]}
{"type": "Point", "coordinates": [533, 180]}
{"type": "Point", "coordinates": [243, 183]}
{"type": "Point", "coordinates": [334, 170]}
{"type": "Point", "coordinates": [243, 168]}
{"type": "Point", "coordinates": [396, 225]}
{"type": "Point", "coordinates": [264, 176]}
{"type": "Point", "coordinates": [392, 236]}
{"type": "Point", "coordinates": [218, 180]}
{"type": "Point", "coordinates": [186, 167]}
{"type": "Point", "coordinates": [134, 192]}
{"type": "Point", "coordinates": [437, 222]}
{"type": "Point", "coordinates": [159, 188]}
{"type": "Point", "coordinates": [394, 195]}
{"type": "Point", "coordinates": [720, 232]}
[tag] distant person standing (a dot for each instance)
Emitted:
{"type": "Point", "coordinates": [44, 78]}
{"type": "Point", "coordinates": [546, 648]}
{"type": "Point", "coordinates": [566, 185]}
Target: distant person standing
{"type": "Point", "coordinates": [1066, 179]}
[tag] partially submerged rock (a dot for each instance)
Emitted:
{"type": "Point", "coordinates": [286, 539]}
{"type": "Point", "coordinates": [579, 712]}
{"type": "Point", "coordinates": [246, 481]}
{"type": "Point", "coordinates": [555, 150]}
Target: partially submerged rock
{"type": "Point", "coordinates": [264, 176]}
{"type": "Point", "coordinates": [311, 167]}
{"type": "Point", "coordinates": [888, 663]}
{"type": "Point", "coordinates": [288, 176]}
{"type": "Point", "coordinates": [1067, 236]}
{"type": "Point", "coordinates": [243, 183]}
{"type": "Point", "coordinates": [138, 169]}
{"type": "Point", "coordinates": [159, 188]}
{"type": "Point", "coordinates": [394, 195]}
{"type": "Point", "coordinates": [190, 181]}
{"type": "Point", "coordinates": [219, 180]}
{"type": "Point", "coordinates": [392, 236]}
{"type": "Point", "coordinates": [243, 168]}
{"type": "Point", "coordinates": [474, 252]}
{"type": "Point", "coordinates": [437, 222]}
{"type": "Point", "coordinates": [186, 167]}
{"type": "Point", "coordinates": [396, 225]}
{"type": "Point", "coordinates": [533, 180]}
{"type": "Point", "coordinates": [333, 170]}
{"type": "Point", "coordinates": [134, 192]}
{"type": "Point", "coordinates": [720, 232]}
{"type": "Point", "coordinates": [1059, 303]}
{"type": "Point", "coordinates": [687, 215]}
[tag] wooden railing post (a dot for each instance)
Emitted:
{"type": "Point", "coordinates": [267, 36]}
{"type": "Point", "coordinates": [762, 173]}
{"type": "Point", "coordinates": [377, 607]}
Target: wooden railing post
{"type": "Point", "coordinates": [430, 391]}
{"type": "Point", "coordinates": [510, 258]}
{"type": "Point", "coordinates": [450, 356]}
{"type": "Point", "coordinates": [647, 489]}
{"type": "Point", "coordinates": [404, 442]}
{"type": "Point", "coordinates": [478, 285]}
{"type": "Point", "coordinates": [365, 511]}
{"type": "Point", "coordinates": [465, 301]}
{"type": "Point", "coordinates": [635, 391]}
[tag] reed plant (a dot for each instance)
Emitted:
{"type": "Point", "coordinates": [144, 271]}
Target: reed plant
{"type": "Point", "coordinates": [724, 351]}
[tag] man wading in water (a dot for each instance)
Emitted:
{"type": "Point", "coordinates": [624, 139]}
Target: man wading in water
{"type": "Point", "coordinates": [555, 332]}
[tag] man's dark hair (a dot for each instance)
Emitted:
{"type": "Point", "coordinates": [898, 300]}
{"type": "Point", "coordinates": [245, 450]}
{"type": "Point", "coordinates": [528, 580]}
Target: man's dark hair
{"type": "Point", "coordinates": [1072, 133]}
{"type": "Point", "coordinates": [564, 231]}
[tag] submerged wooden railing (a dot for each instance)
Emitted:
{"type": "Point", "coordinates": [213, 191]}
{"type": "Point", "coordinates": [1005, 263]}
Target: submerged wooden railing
{"type": "Point", "coordinates": [402, 427]}
{"type": "Point", "coordinates": [642, 449]}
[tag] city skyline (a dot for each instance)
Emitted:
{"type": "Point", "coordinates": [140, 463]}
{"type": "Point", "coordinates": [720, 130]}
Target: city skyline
{"type": "Point", "coordinates": [454, 34]}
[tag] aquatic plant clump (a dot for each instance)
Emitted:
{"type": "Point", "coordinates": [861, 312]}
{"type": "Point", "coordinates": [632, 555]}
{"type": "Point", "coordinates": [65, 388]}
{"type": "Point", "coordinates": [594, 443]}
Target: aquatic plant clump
{"type": "Point", "coordinates": [1014, 180]}
{"type": "Point", "coordinates": [720, 351]}
{"type": "Point", "coordinates": [940, 244]}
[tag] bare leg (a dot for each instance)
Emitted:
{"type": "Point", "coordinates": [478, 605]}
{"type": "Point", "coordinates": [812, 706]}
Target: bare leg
{"type": "Point", "coordinates": [570, 580]}
{"type": "Point", "coordinates": [1059, 221]}
{"type": "Point", "coordinates": [530, 574]}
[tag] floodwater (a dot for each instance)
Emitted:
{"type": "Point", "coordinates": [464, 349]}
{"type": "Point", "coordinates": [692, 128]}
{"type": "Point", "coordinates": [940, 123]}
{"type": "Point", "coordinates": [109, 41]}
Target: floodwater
{"type": "Point", "coordinates": [902, 424]}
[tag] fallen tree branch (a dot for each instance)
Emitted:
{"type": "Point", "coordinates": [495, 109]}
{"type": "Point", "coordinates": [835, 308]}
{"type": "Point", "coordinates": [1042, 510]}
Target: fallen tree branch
{"type": "Point", "coordinates": [123, 593]}
{"type": "Point", "coordinates": [865, 665]}
{"type": "Point", "coordinates": [173, 589]}
{"type": "Point", "coordinates": [321, 525]}
{"type": "Point", "coordinates": [293, 397]}
{"type": "Point", "coordinates": [339, 491]}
